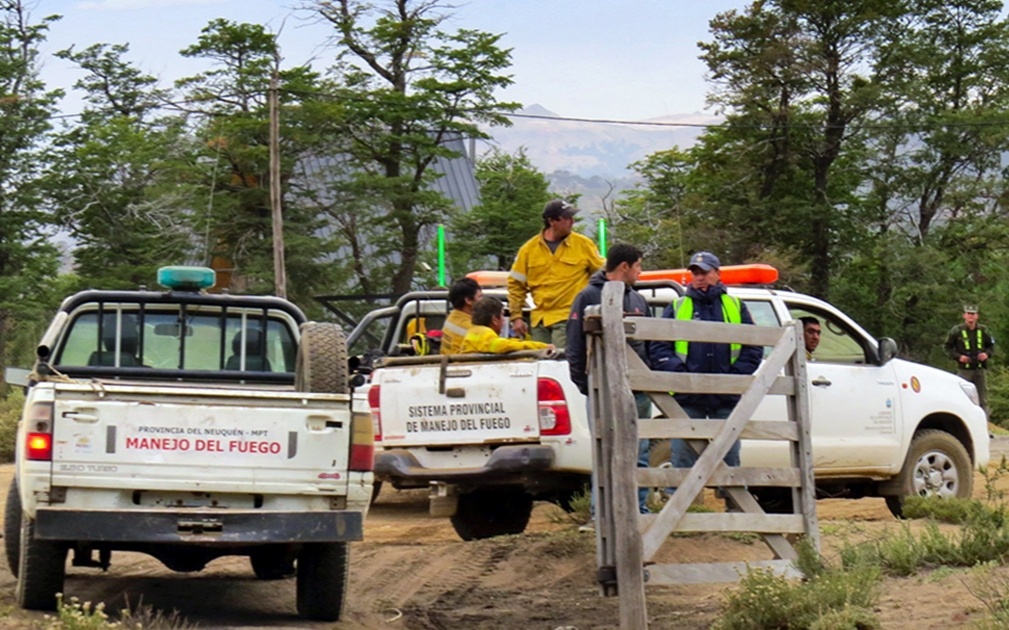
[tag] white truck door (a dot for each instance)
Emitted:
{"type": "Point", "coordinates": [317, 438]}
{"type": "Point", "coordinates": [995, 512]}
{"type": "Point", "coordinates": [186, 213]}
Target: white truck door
{"type": "Point", "coordinates": [854, 404]}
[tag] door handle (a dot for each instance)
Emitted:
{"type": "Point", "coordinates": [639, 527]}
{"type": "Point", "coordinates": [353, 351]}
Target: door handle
{"type": "Point", "coordinates": [821, 381]}
{"type": "Point", "coordinates": [80, 417]}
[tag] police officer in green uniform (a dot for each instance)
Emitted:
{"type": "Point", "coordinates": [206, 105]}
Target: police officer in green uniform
{"type": "Point", "coordinates": [971, 345]}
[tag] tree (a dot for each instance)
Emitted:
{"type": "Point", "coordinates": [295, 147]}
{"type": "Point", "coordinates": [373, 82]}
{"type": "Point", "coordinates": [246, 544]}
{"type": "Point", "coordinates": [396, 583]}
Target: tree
{"type": "Point", "coordinates": [229, 104]}
{"type": "Point", "coordinates": [404, 88]}
{"type": "Point", "coordinates": [795, 77]}
{"type": "Point", "coordinates": [654, 216]}
{"type": "Point", "coordinates": [114, 180]}
{"type": "Point", "coordinates": [27, 258]}
{"type": "Point", "coordinates": [512, 195]}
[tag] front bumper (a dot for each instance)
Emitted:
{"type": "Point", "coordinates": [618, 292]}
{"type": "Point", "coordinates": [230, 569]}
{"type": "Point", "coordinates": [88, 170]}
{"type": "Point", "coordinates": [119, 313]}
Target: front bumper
{"type": "Point", "coordinates": [192, 526]}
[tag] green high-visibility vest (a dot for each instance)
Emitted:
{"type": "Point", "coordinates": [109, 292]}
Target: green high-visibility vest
{"type": "Point", "coordinates": [966, 343]}
{"type": "Point", "coordinates": [732, 313]}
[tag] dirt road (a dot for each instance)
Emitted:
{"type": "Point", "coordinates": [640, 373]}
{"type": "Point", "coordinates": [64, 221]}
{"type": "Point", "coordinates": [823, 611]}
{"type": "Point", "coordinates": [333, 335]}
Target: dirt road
{"type": "Point", "coordinates": [413, 573]}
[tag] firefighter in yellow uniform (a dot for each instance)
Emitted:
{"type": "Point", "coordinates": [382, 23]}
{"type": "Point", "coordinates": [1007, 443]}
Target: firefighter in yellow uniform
{"type": "Point", "coordinates": [553, 266]}
{"type": "Point", "coordinates": [485, 334]}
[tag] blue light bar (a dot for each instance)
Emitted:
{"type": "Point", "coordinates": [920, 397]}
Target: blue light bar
{"type": "Point", "coordinates": [186, 278]}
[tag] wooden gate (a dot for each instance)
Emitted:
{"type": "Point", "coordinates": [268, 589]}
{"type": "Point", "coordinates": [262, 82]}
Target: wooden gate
{"type": "Point", "coordinates": [628, 542]}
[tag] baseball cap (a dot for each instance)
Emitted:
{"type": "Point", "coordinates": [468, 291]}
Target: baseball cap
{"type": "Point", "coordinates": [705, 261]}
{"type": "Point", "coordinates": [558, 209]}
{"type": "Point", "coordinates": [970, 308]}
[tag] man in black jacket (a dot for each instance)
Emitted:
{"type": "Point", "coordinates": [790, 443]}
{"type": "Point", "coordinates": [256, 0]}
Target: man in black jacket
{"type": "Point", "coordinates": [623, 263]}
{"type": "Point", "coordinates": [706, 299]}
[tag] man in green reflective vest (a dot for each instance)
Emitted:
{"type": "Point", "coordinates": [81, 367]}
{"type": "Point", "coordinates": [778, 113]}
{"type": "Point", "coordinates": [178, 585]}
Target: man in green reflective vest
{"type": "Point", "coordinates": [971, 345]}
{"type": "Point", "coordinates": [706, 299]}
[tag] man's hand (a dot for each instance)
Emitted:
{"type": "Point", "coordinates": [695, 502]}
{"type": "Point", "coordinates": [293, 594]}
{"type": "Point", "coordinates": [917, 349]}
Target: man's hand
{"type": "Point", "coordinates": [964, 358]}
{"type": "Point", "coordinates": [983, 356]}
{"type": "Point", "coordinates": [520, 327]}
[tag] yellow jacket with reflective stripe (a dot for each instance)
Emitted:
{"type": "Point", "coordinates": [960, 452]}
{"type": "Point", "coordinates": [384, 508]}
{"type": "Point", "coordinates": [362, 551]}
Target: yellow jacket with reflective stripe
{"type": "Point", "coordinates": [553, 278]}
{"type": "Point", "coordinates": [456, 325]}
{"type": "Point", "coordinates": [484, 339]}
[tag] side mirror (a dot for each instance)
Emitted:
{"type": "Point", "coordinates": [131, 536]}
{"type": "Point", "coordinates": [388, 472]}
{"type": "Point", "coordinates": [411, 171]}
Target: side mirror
{"type": "Point", "coordinates": [887, 350]}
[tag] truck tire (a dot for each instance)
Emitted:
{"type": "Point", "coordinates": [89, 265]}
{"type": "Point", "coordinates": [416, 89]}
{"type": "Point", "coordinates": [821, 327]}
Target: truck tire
{"type": "Point", "coordinates": [321, 364]}
{"type": "Point", "coordinates": [41, 569]}
{"type": "Point", "coordinates": [322, 580]}
{"type": "Point", "coordinates": [272, 562]}
{"type": "Point", "coordinates": [12, 527]}
{"type": "Point", "coordinates": [488, 513]}
{"type": "Point", "coordinates": [937, 464]}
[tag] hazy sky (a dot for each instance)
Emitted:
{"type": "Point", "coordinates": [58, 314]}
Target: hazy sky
{"type": "Point", "coordinates": [615, 59]}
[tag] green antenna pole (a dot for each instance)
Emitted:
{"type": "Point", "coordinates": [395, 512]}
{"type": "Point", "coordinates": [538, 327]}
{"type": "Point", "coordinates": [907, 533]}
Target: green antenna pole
{"type": "Point", "coordinates": [441, 255]}
{"type": "Point", "coordinates": [601, 236]}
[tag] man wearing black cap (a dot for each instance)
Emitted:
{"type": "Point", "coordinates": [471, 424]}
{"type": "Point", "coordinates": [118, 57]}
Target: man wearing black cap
{"type": "Point", "coordinates": [706, 299]}
{"type": "Point", "coordinates": [971, 345]}
{"type": "Point", "coordinates": [553, 266]}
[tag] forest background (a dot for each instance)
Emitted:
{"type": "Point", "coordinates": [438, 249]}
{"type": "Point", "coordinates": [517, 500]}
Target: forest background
{"type": "Point", "coordinates": [862, 151]}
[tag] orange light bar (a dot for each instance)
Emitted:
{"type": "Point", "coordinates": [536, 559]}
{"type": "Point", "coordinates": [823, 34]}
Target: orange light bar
{"type": "Point", "coordinates": [489, 278]}
{"type": "Point", "coordinates": [731, 274]}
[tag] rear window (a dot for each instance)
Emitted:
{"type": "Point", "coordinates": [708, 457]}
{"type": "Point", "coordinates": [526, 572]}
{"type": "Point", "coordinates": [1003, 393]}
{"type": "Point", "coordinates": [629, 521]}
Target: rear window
{"type": "Point", "coordinates": [175, 337]}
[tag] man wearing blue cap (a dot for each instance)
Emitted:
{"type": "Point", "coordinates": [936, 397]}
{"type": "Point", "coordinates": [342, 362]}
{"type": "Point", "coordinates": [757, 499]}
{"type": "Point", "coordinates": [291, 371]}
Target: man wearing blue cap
{"type": "Point", "coordinates": [706, 299]}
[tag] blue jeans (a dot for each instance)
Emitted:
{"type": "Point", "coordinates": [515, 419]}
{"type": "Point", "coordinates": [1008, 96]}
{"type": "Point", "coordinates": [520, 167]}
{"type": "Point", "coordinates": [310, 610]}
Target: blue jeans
{"type": "Point", "coordinates": [682, 456]}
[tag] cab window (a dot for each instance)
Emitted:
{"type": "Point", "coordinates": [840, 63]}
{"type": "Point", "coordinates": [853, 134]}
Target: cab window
{"type": "Point", "coordinates": [838, 343]}
{"type": "Point", "coordinates": [762, 312]}
{"type": "Point", "coordinates": [162, 339]}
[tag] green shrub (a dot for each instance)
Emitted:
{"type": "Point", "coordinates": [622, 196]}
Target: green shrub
{"type": "Point", "coordinates": [10, 415]}
{"type": "Point", "coordinates": [998, 395]}
{"type": "Point", "coordinates": [828, 599]}
{"type": "Point", "coordinates": [87, 616]}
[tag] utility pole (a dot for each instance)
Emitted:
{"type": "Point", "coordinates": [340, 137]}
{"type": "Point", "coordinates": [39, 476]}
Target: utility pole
{"type": "Point", "coordinates": [279, 272]}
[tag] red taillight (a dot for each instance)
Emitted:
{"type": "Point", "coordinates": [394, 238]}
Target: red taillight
{"type": "Point", "coordinates": [374, 398]}
{"type": "Point", "coordinates": [39, 440]}
{"type": "Point", "coordinates": [553, 408]}
{"type": "Point", "coordinates": [39, 447]}
{"type": "Point", "coordinates": [362, 443]}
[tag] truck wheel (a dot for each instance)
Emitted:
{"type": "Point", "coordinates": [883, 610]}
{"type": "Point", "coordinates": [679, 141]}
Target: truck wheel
{"type": "Point", "coordinates": [489, 513]}
{"type": "Point", "coordinates": [272, 562]}
{"type": "Point", "coordinates": [937, 464]}
{"type": "Point", "coordinates": [12, 527]}
{"type": "Point", "coordinates": [41, 570]}
{"type": "Point", "coordinates": [322, 580]}
{"type": "Point", "coordinates": [321, 365]}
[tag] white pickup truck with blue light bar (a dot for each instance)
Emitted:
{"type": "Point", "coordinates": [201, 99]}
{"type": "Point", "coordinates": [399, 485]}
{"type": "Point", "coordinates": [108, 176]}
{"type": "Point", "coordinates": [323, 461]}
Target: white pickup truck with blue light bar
{"type": "Point", "coordinates": [189, 426]}
{"type": "Point", "coordinates": [491, 434]}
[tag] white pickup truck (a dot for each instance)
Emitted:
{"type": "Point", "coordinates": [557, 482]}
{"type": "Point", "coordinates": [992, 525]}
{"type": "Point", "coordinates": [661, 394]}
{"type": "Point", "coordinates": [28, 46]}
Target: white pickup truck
{"type": "Point", "coordinates": [496, 433]}
{"type": "Point", "coordinates": [189, 426]}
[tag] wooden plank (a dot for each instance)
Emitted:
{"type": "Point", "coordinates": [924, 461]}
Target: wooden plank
{"type": "Point", "coordinates": [660, 428]}
{"type": "Point", "coordinates": [734, 522]}
{"type": "Point", "coordinates": [707, 461]}
{"type": "Point", "coordinates": [645, 380]}
{"type": "Point", "coordinates": [798, 410]}
{"type": "Point", "coordinates": [663, 329]}
{"type": "Point", "coordinates": [723, 476]}
{"type": "Point", "coordinates": [630, 577]}
{"type": "Point", "coordinates": [781, 546]}
{"type": "Point", "coordinates": [601, 426]}
{"type": "Point", "coordinates": [714, 572]}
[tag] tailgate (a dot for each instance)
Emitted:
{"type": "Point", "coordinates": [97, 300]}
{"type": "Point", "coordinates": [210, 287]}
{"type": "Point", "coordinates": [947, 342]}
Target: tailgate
{"type": "Point", "coordinates": [194, 438]}
{"type": "Point", "coordinates": [471, 403]}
